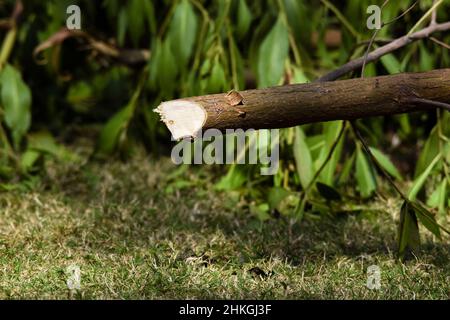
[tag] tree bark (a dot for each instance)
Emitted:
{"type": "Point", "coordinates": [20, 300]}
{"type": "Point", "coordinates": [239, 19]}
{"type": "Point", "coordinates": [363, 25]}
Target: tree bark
{"type": "Point", "coordinates": [291, 105]}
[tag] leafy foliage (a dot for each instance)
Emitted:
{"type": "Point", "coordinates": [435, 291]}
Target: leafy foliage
{"type": "Point", "coordinates": [16, 101]}
{"type": "Point", "coordinates": [195, 47]}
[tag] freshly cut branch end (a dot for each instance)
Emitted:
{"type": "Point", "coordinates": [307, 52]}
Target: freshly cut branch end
{"type": "Point", "coordinates": [183, 118]}
{"type": "Point", "coordinates": [292, 105]}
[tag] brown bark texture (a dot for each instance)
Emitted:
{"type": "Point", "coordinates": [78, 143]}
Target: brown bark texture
{"type": "Point", "coordinates": [291, 105]}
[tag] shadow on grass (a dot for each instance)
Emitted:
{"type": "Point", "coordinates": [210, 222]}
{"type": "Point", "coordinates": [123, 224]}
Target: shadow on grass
{"type": "Point", "coordinates": [135, 235]}
{"type": "Point", "coordinates": [130, 207]}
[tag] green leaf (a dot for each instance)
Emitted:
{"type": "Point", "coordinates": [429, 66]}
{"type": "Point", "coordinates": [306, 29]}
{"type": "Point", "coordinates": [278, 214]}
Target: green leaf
{"type": "Point", "coordinates": [44, 142]}
{"type": "Point", "coordinates": [163, 69]}
{"type": "Point", "coordinates": [405, 125]}
{"type": "Point", "coordinates": [391, 63]}
{"type": "Point", "coordinates": [347, 169]}
{"type": "Point", "coordinates": [370, 70]}
{"type": "Point", "coordinates": [183, 31]}
{"type": "Point", "coordinates": [328, 192]}
{"type": "Point", "coordinates": [299, 21]}
{"type": "Point", "coordinates": [244, 19]}
{"type": "Point", "coordinates": [114, 132]}
{"type": "Point", "coordinates": [81, 96]}
{"type": "Point", "coordinates": [239, 64]}
{"type": "Point", "coordinates": [364, 174]}
{"type": "Point", "coordinates": [429, 152]}
{"type": "Point", "coordinates": [427, 219]}
{"type": "Point", "coordinates": [217, 80]}
{"type": "Point", "coordinates": [16, 101]}
{"type": "Point", "coordinates": [443, 197]}
{"type": "Point", "coordinates": [433, 199]}
{"type": "Point", "coordinates": [276, 196]}
{"type": "Point", "coordinates": [149, 12]}
{"type": "Point", "coordinates": [167, 70]}
{"type": "Point", "coordinates": [234, 179]}
{"type": "Point", "coordinates": [299, 211]}
{"type": "Point", "coordinates": [420, 181]}
{"type": "Point", "coordinates": [426, 59]}
{"type": "Point", "coordinates": [331, 132]}
{"type": "Point", "coordinates": [303, 160]}
{"type": "Point", "coordinates": [408, 236]}
{"type": "Point", "coordinates": [155, 64]}
{"type": "Point", "coordinates": [387, 165]}
{"type": "Point", "coordinates": [273, 52]}
{"type": "Point", "coordinates": [122, 23]}
{"type": "Point", "coordinates": [141, 16]}
{"type": "Point", "coordinates": [438, 198]}
{"type": "Point", "coordinates": [135, 11]}
{"type": "Point", "coordinates": [261, 211]}
{"type": "Point", "coordinates": [299, 76]}
{"type": "Point", "coordinates": [28, 160]}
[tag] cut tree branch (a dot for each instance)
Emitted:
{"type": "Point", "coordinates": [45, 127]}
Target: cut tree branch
{"type": "Point", "coordinates": [291, 105]}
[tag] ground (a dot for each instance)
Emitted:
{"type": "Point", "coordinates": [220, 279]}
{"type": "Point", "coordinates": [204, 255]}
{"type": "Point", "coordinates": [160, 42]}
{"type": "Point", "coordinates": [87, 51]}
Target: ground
{"type": "Point", "coordinates": [133, 237]}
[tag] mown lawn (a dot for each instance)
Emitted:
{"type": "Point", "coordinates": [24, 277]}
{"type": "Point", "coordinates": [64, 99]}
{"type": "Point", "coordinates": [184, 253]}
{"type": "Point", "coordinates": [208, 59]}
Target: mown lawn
{"type": "Point", "coordinates": [133, 237]}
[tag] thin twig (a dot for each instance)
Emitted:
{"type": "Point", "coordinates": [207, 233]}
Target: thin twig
{"type": "Point", "coordinates": [374, 160]}
{"type": "Point", "coordinates": [328, 158]}
{"type": "Point", "coordinates": [436, 104]}
{"type": "Point", "coordinates": [426, 15]}
{"type": "Point", "coordinates": [341, 17]}
{"type": "Point", "coordinates": [402, 15]}
{"type": "Point", "coordinates": [443, 44]}
{"type": "Point", "coordinates": [378, 30]}
{"type": "Point", "coordinates": [433, 15]}
{"type": "Point", "coordinates": [366, 54]}
{"type": "Point", "coordinates": [304, 195]}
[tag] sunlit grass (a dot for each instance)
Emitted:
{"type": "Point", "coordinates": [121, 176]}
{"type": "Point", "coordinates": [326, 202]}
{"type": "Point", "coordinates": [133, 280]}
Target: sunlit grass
{"type": "Point", "coordinates": [134, 238]}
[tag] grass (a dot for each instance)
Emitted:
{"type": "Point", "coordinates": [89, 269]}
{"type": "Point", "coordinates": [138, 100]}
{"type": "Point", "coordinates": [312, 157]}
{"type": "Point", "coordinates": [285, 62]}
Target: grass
{"type": "Point", "coordinates": [135, 238]}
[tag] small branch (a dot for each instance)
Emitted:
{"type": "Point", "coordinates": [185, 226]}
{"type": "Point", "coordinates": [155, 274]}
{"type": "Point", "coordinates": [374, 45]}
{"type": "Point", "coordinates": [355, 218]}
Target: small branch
{"type": "Point", "coordinates": [378, 53]}
{"type": "Point", "coordinates": [366, 54]}
{"type": "Point", "coordinates": [17, 13]}
{"type": "Point", "coordinates": [427, 102]}
{"type": "Point", "coordinates": [433, 8]}
{"type": "Point", "coordinates": [442, 44]}
{"type": "Point", "coordinates": [378, 30]}
{"type": "Point", "coordinates": [434, 15]}
{"type": "Point", "coordinates": [402, 15]}
{"type": "Point", "coordinates": [10, 38]}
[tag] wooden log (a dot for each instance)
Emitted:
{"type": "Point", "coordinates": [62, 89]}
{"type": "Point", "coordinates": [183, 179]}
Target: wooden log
{"type": "Point", "coordinates": [291, 105]}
